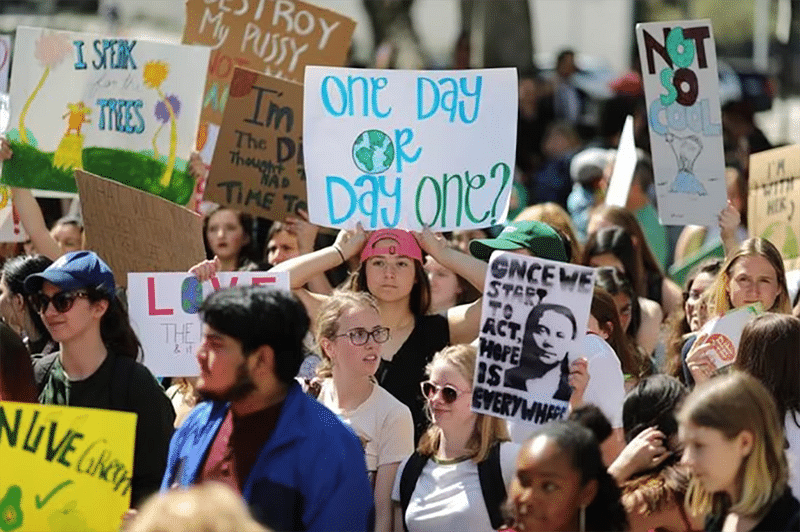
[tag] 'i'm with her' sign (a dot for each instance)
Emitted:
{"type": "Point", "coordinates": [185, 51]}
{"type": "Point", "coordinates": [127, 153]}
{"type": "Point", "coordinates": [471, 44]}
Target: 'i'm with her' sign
{"type": "Point", "coordinates": [533, 319]}
{"type": "Point", "coordinates": [408, 149]}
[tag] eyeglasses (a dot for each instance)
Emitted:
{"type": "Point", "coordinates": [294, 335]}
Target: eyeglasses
{"type": "Point", "coordinates": [449, 393]}
{"type": "Point", "coordinates": [360, 336]}
{"type": "Point", "coordinates": [62, 301]}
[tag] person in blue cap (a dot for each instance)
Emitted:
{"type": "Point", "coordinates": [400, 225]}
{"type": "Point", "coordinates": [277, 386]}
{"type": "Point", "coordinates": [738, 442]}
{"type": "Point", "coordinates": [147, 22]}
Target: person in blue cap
{"type": "Point", "coordinates": [96, 364]}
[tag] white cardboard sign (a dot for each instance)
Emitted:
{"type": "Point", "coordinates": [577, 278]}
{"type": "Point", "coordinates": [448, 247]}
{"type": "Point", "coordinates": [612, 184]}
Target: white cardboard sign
{"type": "Point", "coordinates": [405, 148]}
{"type": "Point", "coordinates": [163, 310]}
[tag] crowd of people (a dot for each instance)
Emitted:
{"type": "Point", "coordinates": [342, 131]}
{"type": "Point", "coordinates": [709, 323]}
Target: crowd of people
{"type": "Point", "coordinates": [347, 404]}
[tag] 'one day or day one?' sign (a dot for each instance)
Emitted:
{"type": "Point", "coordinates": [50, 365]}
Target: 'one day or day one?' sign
{"type": "Point", "coordinates": [533, 319]}
{"type": "Point", "coordinates": [164, 313]}
{"type": "Point", "coordinates": [64, 467]}
{"type": "Point", "coordinates": [124, 109]}
{"type": "Point", "coordinates": [679, 69]}
{"type": "Point", "coordinates": [391, 148]}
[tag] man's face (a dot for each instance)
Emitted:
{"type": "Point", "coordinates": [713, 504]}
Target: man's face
{"type": "Point", "coordinates": [553, 336]}
{"type": "Point", "coordinates": [224, 373]}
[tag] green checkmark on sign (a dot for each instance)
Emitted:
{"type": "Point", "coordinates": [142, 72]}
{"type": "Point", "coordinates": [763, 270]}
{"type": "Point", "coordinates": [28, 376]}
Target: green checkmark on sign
{"type": "Point", "coordinates": [41, 502]}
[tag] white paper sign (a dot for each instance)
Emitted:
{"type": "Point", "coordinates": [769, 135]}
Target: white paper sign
{"type": "Point", "coordinates": [679, 69]}
{"type": "Point", "coordinates": [404, 148]}
{"type": "Point", "coordinates": [163, 310]}
{"type": "Point", "coordinates": [533, 319]}
{"type": "Point", "coordinates": [722, 334]}
{"type": "Point", "coordinates": [5, 61]}
{"type": "Point", "coordinates": [624, 166]}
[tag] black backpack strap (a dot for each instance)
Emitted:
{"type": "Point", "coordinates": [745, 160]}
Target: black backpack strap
{"type": "Point", "coordinates": [490, 474]}
{"type": "Point", "coordinates": [121, 377]}
{"type": "Point", "coordinates": [41, 369]}
{"type": "Point", "coordinates": [408, 481]}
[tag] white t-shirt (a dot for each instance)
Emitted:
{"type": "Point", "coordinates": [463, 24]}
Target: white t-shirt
{"type": "Point", "coordinates": [606, 387]}
{"type": "Point", "coordinates": [793, 453]}
{"type": "Point", "coordinates": [448, 497]}
{"type": "Point", "coordinates": [382, 423]}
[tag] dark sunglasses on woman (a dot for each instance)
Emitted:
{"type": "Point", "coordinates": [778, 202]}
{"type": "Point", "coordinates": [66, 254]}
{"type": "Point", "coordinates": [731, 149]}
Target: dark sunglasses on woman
{"type": "Point", "coordinates": [62, 301]}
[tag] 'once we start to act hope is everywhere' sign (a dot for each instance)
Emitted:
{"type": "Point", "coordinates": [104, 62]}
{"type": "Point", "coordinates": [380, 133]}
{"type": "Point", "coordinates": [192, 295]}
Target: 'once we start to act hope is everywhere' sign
{"type": "Point", "coordinates": [407, 149]}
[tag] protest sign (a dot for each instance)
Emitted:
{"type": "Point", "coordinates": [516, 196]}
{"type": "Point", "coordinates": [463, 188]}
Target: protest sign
{"type": "Point", "coordinates": [64, 467]}
{"type": "Point", "coordinates": [679, 70]}
{"type": "Point", "coordinates": [5, 112]}
{"type": "Point", "coordinates": [405, 148]}
{"type": "Point", "coordinates": [5, 61]}
{"type": "Point", "coordinates": [134, 231]}
{"type": "Point", "coordinates": [533, 319]}
{"type": "Point", "coordinates": [774, 200]}
{"type": "Point", "coordinates": [121, 108]}
{"type": "Point", "coordinates": [278, 38]}
{"type": "Point", "coordinates": [163, 308]}
{"type": "Point", "coordinates": [624, 166]}
{"type": "Point", "coordinates": [722, 334]}
{"type": "Point", "coordinates": [258, 161]}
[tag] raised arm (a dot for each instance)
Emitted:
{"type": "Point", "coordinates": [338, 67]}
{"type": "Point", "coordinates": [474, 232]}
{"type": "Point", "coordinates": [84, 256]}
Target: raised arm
{"type": "Point", "coordinates": [306, 234]}
{"type": "Point", "coordinates": [729, 220]}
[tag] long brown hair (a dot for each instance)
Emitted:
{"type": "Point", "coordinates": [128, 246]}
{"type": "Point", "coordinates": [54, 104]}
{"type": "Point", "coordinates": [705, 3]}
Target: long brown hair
{"type": "Point", "coordinates": [605, 312]}
{"type": "Point", "coordinates": [420, 298]}
{"type": "Point", "coordinates": [16, 371]}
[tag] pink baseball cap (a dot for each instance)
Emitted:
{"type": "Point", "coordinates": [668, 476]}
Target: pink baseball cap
{"type": "Point", "coordinates": [407, 245]}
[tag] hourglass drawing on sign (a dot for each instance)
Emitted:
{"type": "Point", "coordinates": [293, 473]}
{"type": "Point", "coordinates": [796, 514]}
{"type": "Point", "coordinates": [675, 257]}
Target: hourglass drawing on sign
{"type": "Point", "coordinates": [686, 150]}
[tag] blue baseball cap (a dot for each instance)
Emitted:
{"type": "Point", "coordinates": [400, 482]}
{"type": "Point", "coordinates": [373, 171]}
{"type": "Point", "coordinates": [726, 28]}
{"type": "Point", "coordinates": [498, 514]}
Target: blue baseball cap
{"type": "Point", "coordinates": [74, 270]}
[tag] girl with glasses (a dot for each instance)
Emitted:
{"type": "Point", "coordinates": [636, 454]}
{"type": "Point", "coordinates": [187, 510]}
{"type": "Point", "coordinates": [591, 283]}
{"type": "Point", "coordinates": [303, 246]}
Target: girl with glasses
{"type": "Point", "coordinates": [457, 457]}
{"type": "Point", "coordinates": [96, 365]}
{"type": "Point", "coordinates": [391, 270]}
{"type": "Point", "coordinates": [350, 337]}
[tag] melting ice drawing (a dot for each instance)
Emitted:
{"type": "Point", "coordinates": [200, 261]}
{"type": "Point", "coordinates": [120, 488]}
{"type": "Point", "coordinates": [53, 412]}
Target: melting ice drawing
{"type": "Point", "coordinates": [686, 150]}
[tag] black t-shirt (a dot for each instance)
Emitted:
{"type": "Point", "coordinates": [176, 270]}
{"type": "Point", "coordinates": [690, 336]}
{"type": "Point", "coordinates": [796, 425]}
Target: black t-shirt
{"type": "Point", "coordinates": [134, 390]}
{"type": "Point", "coordinates": [401, 376]}
{"type": "Point", "coordinates": [783, 515]}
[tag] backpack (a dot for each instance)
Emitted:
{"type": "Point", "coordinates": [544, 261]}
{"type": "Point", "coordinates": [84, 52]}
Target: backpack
{"type": "Point", "coordinates": [121, 375]}
{"type": "Point", "coordinates": [489, 473]}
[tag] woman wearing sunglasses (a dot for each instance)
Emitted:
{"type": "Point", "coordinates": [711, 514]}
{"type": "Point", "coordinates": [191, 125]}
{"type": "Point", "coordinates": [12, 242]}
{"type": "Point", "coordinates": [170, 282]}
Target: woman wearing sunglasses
{"type": "Point", "coordinates": [350, 337]}
{"type": "Point", "coordinates": [457, 458]}
{"type": "Point", "coordinates": [95, 365]}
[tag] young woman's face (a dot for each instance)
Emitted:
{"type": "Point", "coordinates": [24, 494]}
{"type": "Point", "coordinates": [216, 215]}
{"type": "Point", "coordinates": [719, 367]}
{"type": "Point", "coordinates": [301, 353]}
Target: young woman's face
{"type": "Point", "coordinates": [68, 237]}
{"type": "Point", "coordinates": [75, 323]}
{"type": "Point", "coordinates": [225, 234]}
{"type": "Point", "coordinates": [553, 337]}
{"type": "Point", "coordinates": [281, 247]}
{"type": "Point", "coordinates": [607, 259]}
{"type": "Point", "coordinates": [455, 416]}
{"type": "Point", "coordinates": [546, 491]}
{"type": "Point", "coordinates": [624, 309]}
{"type": "Point", "coordinates": [8, 312]}
{"type": "Point", "coordinates": [356, 360]}
{"type": "Point", "coordinates": [691, 307]}
{"type": "Point", "coordinates": [390, 277]}
{"type": "Point", "coordinates": [714, 459]}
{"type": "Point", "coordinates": [444, 284]}
{"type": "Point", "coordinates": [751, 279]}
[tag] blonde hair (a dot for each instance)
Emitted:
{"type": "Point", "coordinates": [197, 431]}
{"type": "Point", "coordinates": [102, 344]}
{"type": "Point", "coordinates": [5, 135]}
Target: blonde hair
{"type": "Point", "coordinates": [487, 431]}
{"type": "Point", "coordinates": [731, 404]}
{"type": "Point", "coordinates": [210, 507]}
{"type": "Point", "coordinates": [752, 247]}
{"type": "Point", "coordinates": [327, 324]}
{"type": "Point", "coordinates": [556, 217]}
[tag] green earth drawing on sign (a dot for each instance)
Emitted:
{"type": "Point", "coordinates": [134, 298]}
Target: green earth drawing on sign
{"type": "Point", "coordinates": [373, 151]}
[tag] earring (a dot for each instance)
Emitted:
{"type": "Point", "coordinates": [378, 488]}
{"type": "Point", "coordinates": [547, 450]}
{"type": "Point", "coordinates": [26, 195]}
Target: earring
{"type": "Point", "coordinates": [582, 519]}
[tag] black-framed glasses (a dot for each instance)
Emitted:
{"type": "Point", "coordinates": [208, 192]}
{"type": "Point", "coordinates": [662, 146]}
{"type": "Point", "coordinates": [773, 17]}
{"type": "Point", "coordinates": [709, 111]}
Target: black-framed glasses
{"type": "Point", "coordinates": [449, 392]}
{"type": "Point", "coordinates": [62, 301]}
{"type": "Point", "coordinates": [360, 336]}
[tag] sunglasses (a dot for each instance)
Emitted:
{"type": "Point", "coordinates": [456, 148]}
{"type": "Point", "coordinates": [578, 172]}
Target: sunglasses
{"type": "Point", "coordinates": [449, 393]}
{"type": "Point", "coordinates": [360, 336]}
{"type": "Point", "coordinates": [62, 301]}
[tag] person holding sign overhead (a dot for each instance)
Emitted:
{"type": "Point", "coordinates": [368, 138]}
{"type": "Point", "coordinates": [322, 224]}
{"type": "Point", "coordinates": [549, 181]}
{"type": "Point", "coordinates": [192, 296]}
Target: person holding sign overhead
{"type": "Point", "coordinates": [392, 270]}
{"type": "Point", "coordinates": [96, 363]}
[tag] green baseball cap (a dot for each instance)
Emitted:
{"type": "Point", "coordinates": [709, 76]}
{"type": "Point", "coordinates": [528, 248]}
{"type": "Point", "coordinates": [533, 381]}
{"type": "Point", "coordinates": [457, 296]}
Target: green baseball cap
{"type": "Point", "coordinates": [537, 237]}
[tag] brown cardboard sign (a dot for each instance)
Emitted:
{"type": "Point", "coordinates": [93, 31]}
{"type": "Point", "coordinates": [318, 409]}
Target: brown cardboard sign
{"type": "Point", "coordinates": [134, 231]}
{"type": "Point", "coordinates": [258, 160]}
{"type": "Point", "coordinates": [774, 200]}
{"type": "Point", "coordinates": [276, 37]}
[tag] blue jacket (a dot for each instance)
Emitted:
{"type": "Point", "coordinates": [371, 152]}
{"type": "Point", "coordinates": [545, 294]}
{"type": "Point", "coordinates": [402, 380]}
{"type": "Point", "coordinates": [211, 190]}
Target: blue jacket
{"type": "Point", "coordinates": [310, 475]}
